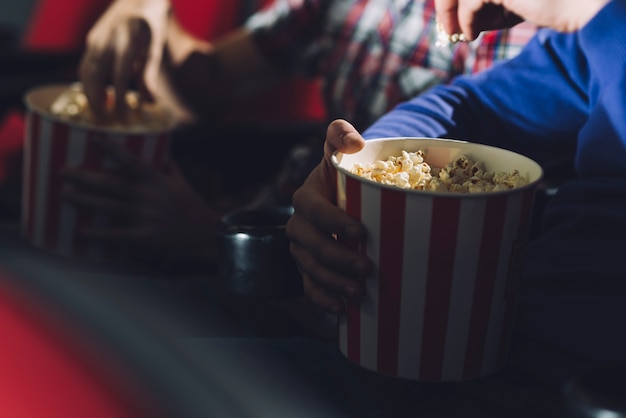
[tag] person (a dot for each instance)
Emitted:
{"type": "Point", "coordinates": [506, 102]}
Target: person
{"type": "Point", "coordinates": [49, 51]}
{"type": "Point", "coordinates": [369, 56]}
{"type": "Point", "coordinates": [562, 97]}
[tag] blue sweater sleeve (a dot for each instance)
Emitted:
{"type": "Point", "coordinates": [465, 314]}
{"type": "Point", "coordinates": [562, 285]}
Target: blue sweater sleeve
{"type": "Point", "coordinates": [543, 103]}
{"type": "Point", "coordinates": [602, 141]}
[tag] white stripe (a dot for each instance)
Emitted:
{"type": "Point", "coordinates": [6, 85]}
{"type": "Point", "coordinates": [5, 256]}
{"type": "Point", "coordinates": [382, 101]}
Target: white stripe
{"type": "Point", "coordinates": [342, 323]}
{"type": "Point", "coordinates": [417, 222]}
{"type": "Point", "coordinates": [370, 216]}
{"type": "Point", "coordinates": [148, 149]}
{"type": "Point", "coordinates": [121, 140]}
{"type": "Point", "coordinates": [498, 305]}
{"type": "Point", "coordinates": [467, 253]}
{"type": "Point", "coordinates": [67, 221]}
{"type": "Point", "coordinates": [341, 191]}
{"type": "Point", "coordinates": [95, 251]}
{"type": "Point", "coordinates": [41, 184]}
{"type": "Point", "coordinates": [26, 177]}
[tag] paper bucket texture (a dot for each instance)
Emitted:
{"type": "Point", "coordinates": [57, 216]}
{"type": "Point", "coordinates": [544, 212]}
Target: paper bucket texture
{"type": "Point", "coordinates": [52, 144]}
{"type": "Point", "coordinates": [440, 302]}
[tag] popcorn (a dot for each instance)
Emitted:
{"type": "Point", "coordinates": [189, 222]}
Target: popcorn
{"type": "Point", "coordinates": [443, 39]}
{"type": "Point", "coordinates": [72, 105]}
{"type": "Point", "coordinates": [409, 170]}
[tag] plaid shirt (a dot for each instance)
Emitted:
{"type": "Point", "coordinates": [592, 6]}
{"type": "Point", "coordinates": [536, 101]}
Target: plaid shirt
{"type": "Point", "coordinates": [372, 54]}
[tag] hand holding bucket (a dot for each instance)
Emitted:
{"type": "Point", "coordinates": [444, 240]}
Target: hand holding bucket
{"type": "Point", "coordinates": [54, 142]}
{"type": "Point", "coordinates": [439, 304]}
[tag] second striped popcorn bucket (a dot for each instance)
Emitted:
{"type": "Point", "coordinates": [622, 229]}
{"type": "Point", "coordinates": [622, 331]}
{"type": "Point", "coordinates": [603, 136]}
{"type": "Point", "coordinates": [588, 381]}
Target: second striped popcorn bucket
{"type": "Point", "coordinates": [439, 304]}
{"type": "Point", "coordinates": [53, 143]}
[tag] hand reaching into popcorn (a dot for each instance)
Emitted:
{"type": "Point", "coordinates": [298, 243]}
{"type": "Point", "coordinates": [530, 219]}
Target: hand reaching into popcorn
{"type": "Point", "coordinates": [470, 17]}
{"type": "Point", "coordinates": [329, 268]}
{"type": "Point", "coordinates": [160, 216]}
{"type": "Point", "coordinates": [140, 43]}
{"type": "Point", "coordinates": [124, 46]}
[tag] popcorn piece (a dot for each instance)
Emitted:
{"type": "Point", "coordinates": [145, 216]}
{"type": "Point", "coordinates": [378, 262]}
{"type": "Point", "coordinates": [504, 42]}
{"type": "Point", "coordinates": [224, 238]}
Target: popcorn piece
{"type": "Point", "coordinates": [462, 175]}
{"type": "Point", "coordinates": [443, 39]}
{"type": "Point", "coordinates": [72, 105]}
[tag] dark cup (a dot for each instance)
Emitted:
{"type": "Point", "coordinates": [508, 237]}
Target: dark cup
{"type": "Point", "coordinates": [254, 258]}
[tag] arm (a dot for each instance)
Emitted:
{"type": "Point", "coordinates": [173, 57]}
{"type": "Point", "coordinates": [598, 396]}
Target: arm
{"type": "Point", "coordinates": [507, 106]}
{"type": "Point", "coordinates": [602, 141]}
{"type": "Point", "coordinates": [204, 76]}
{"type": "Point", "coordinates": [489, 106]}
{"type": "Point", "coordinates": [124, 46]}
{"type": "Point", "coordinates": [562, 87]}
{"type": "Point", "coordinates": [472, 16]}
{"type": "Point", "coordinates": [140, 42]}
{"type": "Point", "coordinates": [331, 273]}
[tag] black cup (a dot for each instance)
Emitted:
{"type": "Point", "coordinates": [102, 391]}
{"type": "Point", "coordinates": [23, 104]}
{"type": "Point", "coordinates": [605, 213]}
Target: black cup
{"type": "Point", "coordinates": [254, 258]}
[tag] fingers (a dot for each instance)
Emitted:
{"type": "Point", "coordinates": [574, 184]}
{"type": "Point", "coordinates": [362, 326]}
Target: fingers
{"type": "Point", "coordinates": [122, 72]}
{"type": "Point", "coordinates": [342, 136]}
{"type": "Point", "coordinates": [320, 297]}
{"type": "Point", "coordinates": [117, 207]}
{"type": "Point", "coordinates": [470, 17]}
{"type": "Point", "coordinates": [325, 284]}
{"type": "Point", "coordinates": [94, 76]}
{"type": "Point", "coordinates": [115, 51]}
{"type": "Point", "coordinates": [447, 15]}
{"type": "Point", "coordinates": [128, 235]}
{"type": "Point", "coordinates": [130, 181]}
{"type": "Point", "coordinates": [312, 203]}
{"type": "Point", "coordinates": [132, 43]}
{"type": "Point", "coordinates": [98, 184]}
{"type": "Point", "coordinates": [330, 267]}
{"type": "Point", "coordinates": [459, 16]}
{"type": "Point", "coordinates": [319, 253]}
{"type": "Point", "coordinates": [126, 161]}
{"type": "Point", "coordinates": [466, 18]}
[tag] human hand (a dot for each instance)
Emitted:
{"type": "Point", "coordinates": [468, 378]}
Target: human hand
{"type": "Point", "coordinates": [470, 17]}
{"type": "Point", "coordinates": [330, 269]}
{"type": "Point", "coordinates": [158, 214]}
{"type": "Point", "coordinates": [125, 45]}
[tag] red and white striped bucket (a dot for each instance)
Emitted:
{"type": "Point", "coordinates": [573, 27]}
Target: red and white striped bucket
{"type": "Point", "coordinates": [440, 302]}
{"type": "Point", "coordinates": [53, 143]}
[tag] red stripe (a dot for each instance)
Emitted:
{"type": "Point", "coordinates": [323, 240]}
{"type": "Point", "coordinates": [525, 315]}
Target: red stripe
{"type": "Point", "coordinates": [134, 144]}
{"type": "Point", "coordinates": [393, 204]}
{"type": "Point", "coordinates": [520, 240]}
{"type": "Point", "coordinates": [445, 219]}
{"type": "Point", "coordinates": [495, 213]}
{"type": "Point", "coordinates": [58, 157]}
{"type": "Point", "coordinates": [505, 336]}
{"type": "Point", "coordinates": [334, 178]}
{"type": "Point", "coordinates": [32, 154]}
{"type": "Point", "coordinates": [92, 161]}
{"type": "Point", "coordinates": [162, 150]}
{"type": "Point", "coordinates": [353, 313]}
{"type": "Point", "coordinates": [522, 237]}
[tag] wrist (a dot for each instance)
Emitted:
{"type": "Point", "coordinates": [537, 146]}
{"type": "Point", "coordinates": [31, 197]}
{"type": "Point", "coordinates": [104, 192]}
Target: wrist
{"type": "Point", "coordinates": [150, 10]}
{"type": "Point", "coordinates": [590, 9]}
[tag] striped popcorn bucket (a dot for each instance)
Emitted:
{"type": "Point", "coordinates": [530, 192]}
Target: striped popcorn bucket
{"type": "Point", "coordinates": [439, 304]}
{"type": "Point", "coordinates": [52, 143]}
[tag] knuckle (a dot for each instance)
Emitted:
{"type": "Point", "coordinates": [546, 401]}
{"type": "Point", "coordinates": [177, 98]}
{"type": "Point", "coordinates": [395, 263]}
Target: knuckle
{"type": "Point", "coordinates": [297, 199]}
{"type": "Point", "coordinates": [319, 249]}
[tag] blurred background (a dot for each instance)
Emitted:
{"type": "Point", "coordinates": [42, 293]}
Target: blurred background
{"type": "Point", "coordinates": [14, 14]}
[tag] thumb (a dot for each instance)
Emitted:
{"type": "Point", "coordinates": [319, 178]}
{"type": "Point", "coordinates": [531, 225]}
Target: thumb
{"type": "Point", "coordinates": [342, 136]}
